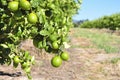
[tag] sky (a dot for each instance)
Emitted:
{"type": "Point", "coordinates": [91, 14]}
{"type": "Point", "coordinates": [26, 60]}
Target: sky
{"type": "Point", "coordinates": [93, 9]}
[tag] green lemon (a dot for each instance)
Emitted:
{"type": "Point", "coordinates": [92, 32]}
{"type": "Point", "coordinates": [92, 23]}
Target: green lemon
{"type": "Point", "coordinates": [64, 56]}
{"type": "Point", "coordinates": [32, 18]}
{"type": "Point", "coordinates": [55, 45]}
{"type": "Point", "coordinates": [56, 61]}
{"type": "Point", "coordinates": [25, 5]}
{"type": "Point", "coordinates": [13, 6]}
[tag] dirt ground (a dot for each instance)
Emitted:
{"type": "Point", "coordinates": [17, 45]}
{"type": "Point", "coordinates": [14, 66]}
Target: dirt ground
{"type": "Point", "coordinates": [84, 64]}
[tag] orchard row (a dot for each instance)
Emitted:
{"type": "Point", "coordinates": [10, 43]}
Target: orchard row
{"type": "Point", "coordinates": [110, 22]}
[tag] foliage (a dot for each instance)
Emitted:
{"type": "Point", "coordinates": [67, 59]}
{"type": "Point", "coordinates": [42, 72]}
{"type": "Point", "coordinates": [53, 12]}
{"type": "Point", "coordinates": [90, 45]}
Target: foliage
{"type": "Point", "coordinates": [49, 17]}
{"type": "Point", "coordinates": [110, 22]}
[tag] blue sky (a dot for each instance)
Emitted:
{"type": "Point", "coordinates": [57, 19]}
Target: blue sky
{"type": "Point", "coordinates": [92, 9]}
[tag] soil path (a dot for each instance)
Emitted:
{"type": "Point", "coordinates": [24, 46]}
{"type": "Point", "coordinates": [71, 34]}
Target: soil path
{"type": "Point", "coordinates": [84, 64]}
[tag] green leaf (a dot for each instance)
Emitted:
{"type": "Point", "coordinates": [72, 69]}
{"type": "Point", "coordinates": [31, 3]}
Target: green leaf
{"type": "Point", "coordinates": [40, 45]}
{"type": "Point", "coordinates": [44, 43]}
{"type": "Point", "coordinates": [26, 54]}
{"type": "Point", "coordinates": [33, 60]}
{"type": "Point", "coordinates": [41, 15]}
{"type": "Point", "coordinates": [51, 29]}
{"type": "Point", "coordinates": [4, 2]}
{"type": "Point", "coordinates": [29, 76]}
{"type": "Point", "coordinates": [35, 3]}
{"type": "Point", "coordinates": [9, 61]}
{"type": "Point", "coordinates": [4, 45]}
{"type": "Point", "coordinates": [51, 5]}
{"type": "Point", "coordinates": [44, 32]}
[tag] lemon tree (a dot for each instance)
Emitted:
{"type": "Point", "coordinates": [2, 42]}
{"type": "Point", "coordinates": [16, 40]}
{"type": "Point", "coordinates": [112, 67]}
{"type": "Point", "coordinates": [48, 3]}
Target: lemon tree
{"type": "Point", "coordinates": [47, 22]}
